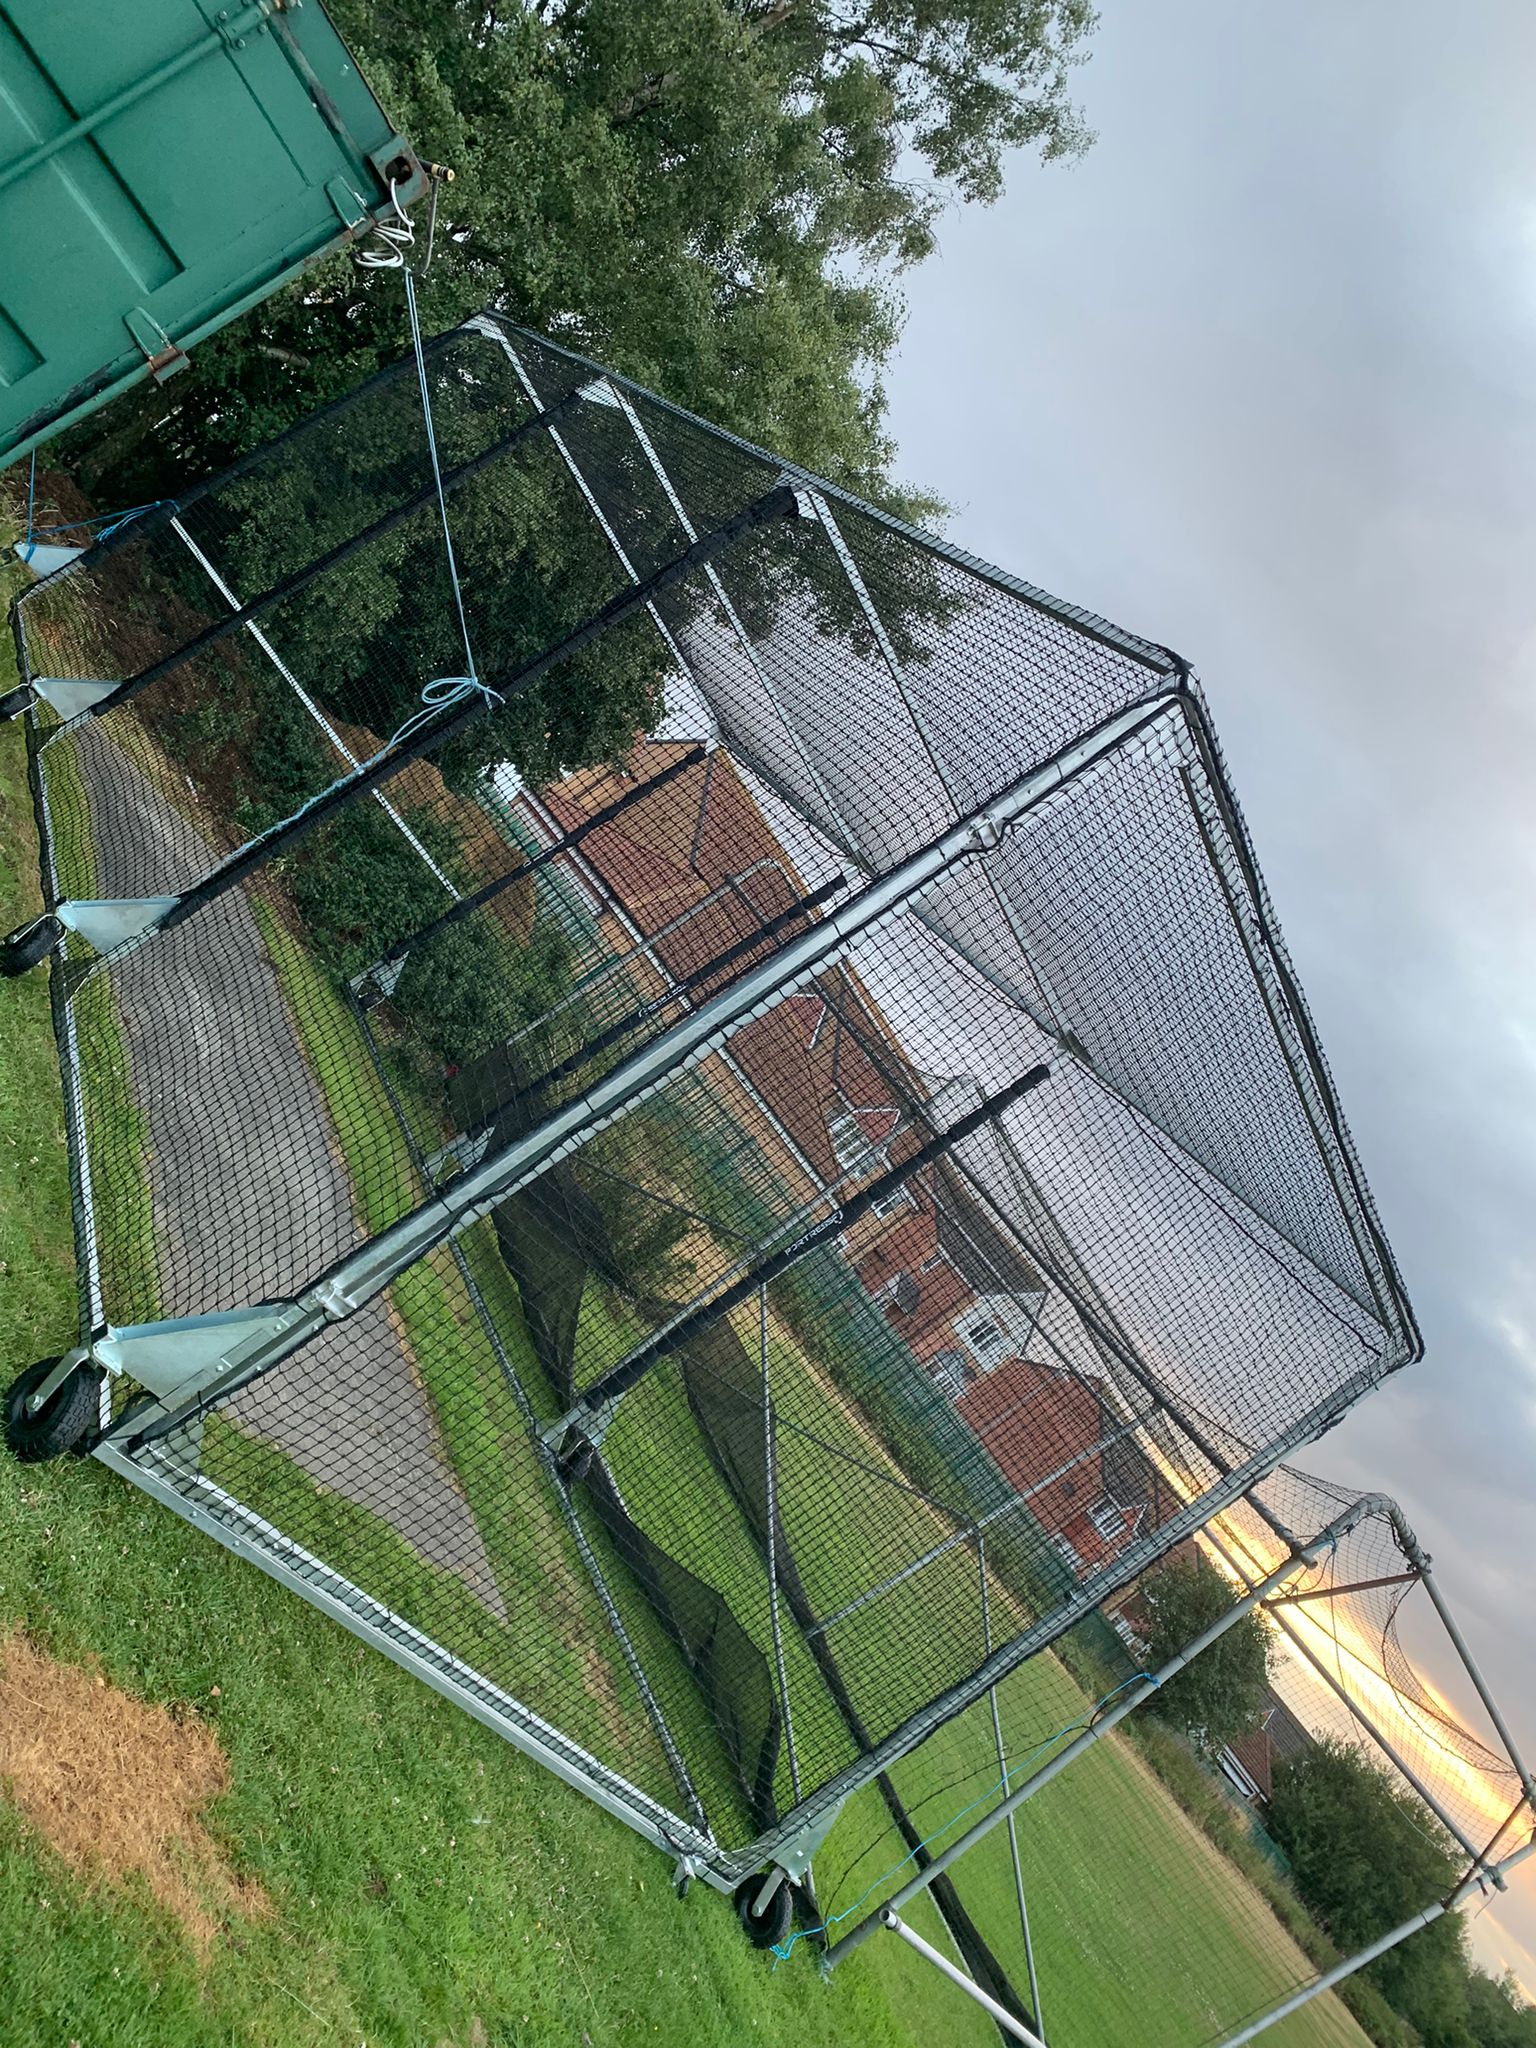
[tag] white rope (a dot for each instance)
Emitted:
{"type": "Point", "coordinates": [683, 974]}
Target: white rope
{"type": "Point", "coordinates": [399, 236]}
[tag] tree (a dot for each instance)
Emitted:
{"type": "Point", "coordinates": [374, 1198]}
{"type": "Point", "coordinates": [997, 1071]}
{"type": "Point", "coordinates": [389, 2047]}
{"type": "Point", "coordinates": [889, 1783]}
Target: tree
{"type": "Point", "coordinates": [1365, 1855]}
{"type": "Point", "coordinates": [711, 194]}
{"type": "Point", "coordinates": [1218, 1695]}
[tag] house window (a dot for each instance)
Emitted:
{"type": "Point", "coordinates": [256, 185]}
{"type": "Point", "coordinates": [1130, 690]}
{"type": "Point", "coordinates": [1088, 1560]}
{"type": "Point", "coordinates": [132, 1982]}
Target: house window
{"type": "Point", "coordinates": [986, 1339]}
{"type": "Point", "coordinates": [1107, 1519]}
{"type": "Point", "coordinates": [891, 1204]}
{"type": "Point", "coordinates": [851, 1144]}
{"type": "Point", "coordinates": [948, 1369]}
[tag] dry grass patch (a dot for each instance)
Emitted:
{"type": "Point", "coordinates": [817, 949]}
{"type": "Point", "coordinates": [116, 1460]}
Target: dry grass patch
{"type": "Point", "coordinates": [118, 1786]}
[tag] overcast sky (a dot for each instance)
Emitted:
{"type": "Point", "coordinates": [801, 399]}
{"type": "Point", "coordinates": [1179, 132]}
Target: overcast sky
{"type": "Point", "coordinates": [1257, 379]}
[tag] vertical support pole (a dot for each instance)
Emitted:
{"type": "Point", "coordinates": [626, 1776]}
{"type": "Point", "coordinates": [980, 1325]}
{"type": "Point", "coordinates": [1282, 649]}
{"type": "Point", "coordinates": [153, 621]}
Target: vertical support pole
{"type": "Point", "coordinates": [1371, 1951]}
{"type": "Point", "coordinates": [1013, 1825]}
{"type": "Point", "coordinates": [1005, 2019]}
{"type": "Point", "coordinates": [770, 1541]}
{"type": "Point", "coordinates": [338, 744]}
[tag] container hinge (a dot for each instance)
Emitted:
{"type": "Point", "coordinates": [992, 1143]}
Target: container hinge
{"type": "Point", "coordinates": [160, 352]}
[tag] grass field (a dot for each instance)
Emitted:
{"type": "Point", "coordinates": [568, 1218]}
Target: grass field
{"type": "Point", "coordinates": [393, 1872]}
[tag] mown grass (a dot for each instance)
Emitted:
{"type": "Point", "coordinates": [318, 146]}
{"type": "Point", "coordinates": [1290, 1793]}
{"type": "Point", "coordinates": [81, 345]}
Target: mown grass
{"type": "Point", "coordinates": [428, 1885]}
{"type": "Point", "coordinates": [1152, 1936]}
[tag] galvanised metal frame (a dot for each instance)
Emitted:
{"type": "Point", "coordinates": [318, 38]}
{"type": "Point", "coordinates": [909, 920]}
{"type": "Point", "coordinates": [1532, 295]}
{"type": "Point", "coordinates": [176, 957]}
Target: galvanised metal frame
{"type": "Point", "coordinates": [189, 1364]}
{"type": "Point", "coordinates": [1265, 1592]}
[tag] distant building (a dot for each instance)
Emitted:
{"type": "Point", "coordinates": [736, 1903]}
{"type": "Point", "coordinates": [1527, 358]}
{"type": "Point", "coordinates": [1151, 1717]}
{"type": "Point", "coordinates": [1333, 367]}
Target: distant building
{"type": "Point", "coordinates": [1249, 1763]}
{"type": "Point", "coordinates": [1058, 1438]}
{"type": "Point", "coordinates": [685, 880]}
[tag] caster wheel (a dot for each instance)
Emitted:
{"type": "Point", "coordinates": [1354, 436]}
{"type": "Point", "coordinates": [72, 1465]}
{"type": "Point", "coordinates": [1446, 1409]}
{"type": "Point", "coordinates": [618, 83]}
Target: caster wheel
{"type": "Point", "coordinates": [62, 1424]}
{"type": "Point", "coordinates": [25, 948]}
{"type": "Point", "coordinates": [770, 1927]}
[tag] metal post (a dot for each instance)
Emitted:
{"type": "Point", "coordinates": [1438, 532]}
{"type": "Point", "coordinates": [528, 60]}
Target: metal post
{"type": "Point", "coordinates": [681, 1330]}
{"type": "Point", "coordinates": [1453, 1630]}
{"type": "Point", "coordinates": [1335, 1685]}
{"type": "Point", "coordinates": [1373, 1949]}
{"type": "Point", "coordinates": [269, 1335]}
{"type": "Point", "coordinates": [337, 742]}
{"type": "Point", "coordinates": [1132, 1698]}
{"type": "Point", "coordinates": [770, 1540]}
{"type": "Point", "coordinates": [1000, 2013]}
{"type": "Point", "coordinates": [1013, 1825]}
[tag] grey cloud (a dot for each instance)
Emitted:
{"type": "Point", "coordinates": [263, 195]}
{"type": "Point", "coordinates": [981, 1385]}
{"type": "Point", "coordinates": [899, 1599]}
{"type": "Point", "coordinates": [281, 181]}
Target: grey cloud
{"type": "Point", "coordinates": [1258, 379]}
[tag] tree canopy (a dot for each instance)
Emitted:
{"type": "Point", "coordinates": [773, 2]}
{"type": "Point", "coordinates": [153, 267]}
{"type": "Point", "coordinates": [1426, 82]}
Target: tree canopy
{"type": "Point", "coordinates": [715, 196]}
{"type": "Point", "coordinates": [1218, 1695]}
{"type": "Point", "coordinates": [1365, 1855]}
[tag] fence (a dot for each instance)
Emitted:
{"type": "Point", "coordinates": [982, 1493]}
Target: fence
{"type": "Point", "coordinates": [713, 1258]}
{"type": "Point", "coordinates": [1387, 1803]}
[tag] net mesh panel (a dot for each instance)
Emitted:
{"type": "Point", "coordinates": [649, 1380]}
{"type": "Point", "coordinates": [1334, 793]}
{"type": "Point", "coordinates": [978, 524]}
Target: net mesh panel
{"type": "Point", "coordinates": [1162, 1903]}
{"type": "Point", "coordinates": [1053, 1335]}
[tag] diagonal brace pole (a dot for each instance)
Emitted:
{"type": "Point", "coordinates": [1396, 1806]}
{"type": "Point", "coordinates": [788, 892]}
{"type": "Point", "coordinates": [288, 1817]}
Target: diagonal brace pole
{"type": "Point", "coordinates": [342, 1289]}
{"type": "Point", "coordinates": [1138, 1691]}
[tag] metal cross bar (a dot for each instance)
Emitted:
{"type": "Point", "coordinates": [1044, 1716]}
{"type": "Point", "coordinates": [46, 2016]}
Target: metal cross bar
{"type": "Point", "coordinates": [1372, 1950]}
{"type": "Point", "coordinates": [630, 1371]}
{"type": "Point", "coordinates": [273, 1334]}
{"type": "Point", "coordinates": [1338, 1592]}
{"type": "Point", "coordinates": [1133, 1696]}
{"type": "Point", "coordinates": [642, 1013]}
{"type": "Point", "coordinates": [567, 841]}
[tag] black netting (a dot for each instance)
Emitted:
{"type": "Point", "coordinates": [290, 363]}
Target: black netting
{"type": "Point", "coordinates": [851, 1299]}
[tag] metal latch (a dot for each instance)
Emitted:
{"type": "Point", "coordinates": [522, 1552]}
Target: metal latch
{"type": "Point", "coordinates": [160, 352]}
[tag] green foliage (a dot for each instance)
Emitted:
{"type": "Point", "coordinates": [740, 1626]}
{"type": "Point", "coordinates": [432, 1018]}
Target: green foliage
{"type": "Point", "coordinates": [1367, 1855]}
{"type": "Point", "coordinates": [712, 195]}
{"type": "Point", "coordinates": [1218, 1695]}
{"type": "Point", "coordinates": [470, 987]}
{"type": "Point", "coordinates": [360, 886]}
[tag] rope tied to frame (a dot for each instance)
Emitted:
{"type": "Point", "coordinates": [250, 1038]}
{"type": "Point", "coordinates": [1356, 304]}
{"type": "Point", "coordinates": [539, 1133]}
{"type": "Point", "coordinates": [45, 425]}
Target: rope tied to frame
{"type": "Point", "coordinates": [399, 238]}
{"type": "Point", "coordinates": [97, 524]}
{"type": "Point", "coordinates": [782, 1951]}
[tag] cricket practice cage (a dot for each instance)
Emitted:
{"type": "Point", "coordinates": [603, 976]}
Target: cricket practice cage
{"type": "Point", "coordinates": [686, 1106]}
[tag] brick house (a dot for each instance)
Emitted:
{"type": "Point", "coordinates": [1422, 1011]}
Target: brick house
{"type": "Point", "coordinates": [689, 874]}
{"type": "Point", "coordinates": [1049, 1429]}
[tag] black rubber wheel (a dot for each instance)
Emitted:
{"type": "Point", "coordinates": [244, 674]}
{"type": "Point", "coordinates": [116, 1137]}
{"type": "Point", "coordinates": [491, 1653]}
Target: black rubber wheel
{"type": "Point", "coordinates": [14, 702]}
{"type": "Point", "coordinates": [771, 1927]}
{"type": "Point", "coordinates": [61, 1425]}
{"type": "Point", "coordinates": [34, 942]}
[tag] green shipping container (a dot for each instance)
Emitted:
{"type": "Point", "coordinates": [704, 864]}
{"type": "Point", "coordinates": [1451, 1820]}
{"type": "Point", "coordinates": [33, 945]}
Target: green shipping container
{"type": "Point", "coordinates": [165, 165]}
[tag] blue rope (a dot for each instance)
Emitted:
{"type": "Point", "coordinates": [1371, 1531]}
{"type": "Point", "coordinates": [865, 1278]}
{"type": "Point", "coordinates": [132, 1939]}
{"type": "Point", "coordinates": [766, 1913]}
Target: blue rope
{"type": "Point", "coordinates": [109, 522]}
{"type": "Point", "coordinates": [782, 1951]}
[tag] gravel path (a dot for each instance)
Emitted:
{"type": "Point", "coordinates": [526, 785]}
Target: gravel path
{"type": "Point", "coordinates": [249, 1192]}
